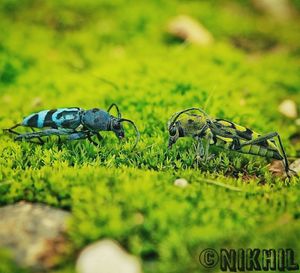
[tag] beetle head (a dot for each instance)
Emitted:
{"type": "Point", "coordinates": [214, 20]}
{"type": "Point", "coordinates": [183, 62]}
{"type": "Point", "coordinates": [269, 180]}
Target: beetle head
{"type": "Point", "coordinates": [175, 127]}
{"type": "Point", "coordinates": [175, 131]}
{"type": "Point", "coordinates": [117, 128]}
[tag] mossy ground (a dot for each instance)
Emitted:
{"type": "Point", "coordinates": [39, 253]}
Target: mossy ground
{"type": "Point", "coordinates": [92, 53]}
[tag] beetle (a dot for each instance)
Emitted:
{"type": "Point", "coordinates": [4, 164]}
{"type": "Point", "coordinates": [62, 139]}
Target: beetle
{"type": "Point", "coordinates": [224, 134]}
{"type": "Point", "coordinates": [73, 122]}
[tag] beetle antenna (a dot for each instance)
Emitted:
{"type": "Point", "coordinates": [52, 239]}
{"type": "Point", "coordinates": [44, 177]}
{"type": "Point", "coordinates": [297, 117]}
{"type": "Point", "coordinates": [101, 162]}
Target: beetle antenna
{"type": "Point", "coordinates": [116, 106]}
{"type": "Point", "coordinates": [135, 128]}
{"type": "Point", "coordinates": [175, 116]}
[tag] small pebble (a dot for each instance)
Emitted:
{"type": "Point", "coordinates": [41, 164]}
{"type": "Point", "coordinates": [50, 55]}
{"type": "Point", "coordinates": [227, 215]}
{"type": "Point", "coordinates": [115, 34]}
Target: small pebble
{"type": "Point", "coordinates": [37, 101]}
{"type": "Point", "coordinates": [277, 168]}
{"type": "Point", "coordinates": [34, 233]}
{"type": "Point", "coordinates": [181, 182]}
{"type": "Point", "coordinates": [279, 9]}
{"type": "Point", "coordinates": [139, 218]}
{"type": "Point", "coordinates": [188, 29]}
{"type": "Point", "coordinates": [295, 166]}
{"type": "Point", "coordinates": [288, 108]}
{"type": "Point", "coordinates": [106, 256]}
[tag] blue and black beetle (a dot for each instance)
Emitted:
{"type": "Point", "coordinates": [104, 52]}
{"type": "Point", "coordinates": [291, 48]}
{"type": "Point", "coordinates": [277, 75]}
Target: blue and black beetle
{"type": "Point", "coordinates": [73, 122]}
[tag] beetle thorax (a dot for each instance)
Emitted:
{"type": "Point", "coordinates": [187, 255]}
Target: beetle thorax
{"type": "Point", "coordinates": [192, 124]}
{"type": "Point", "coordinates": [96, 120]}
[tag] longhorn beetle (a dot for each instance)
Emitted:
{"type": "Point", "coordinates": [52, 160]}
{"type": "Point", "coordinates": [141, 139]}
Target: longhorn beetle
{"type": "Point", "coordinates": [75, 123]}
{"type": "Point", "coordinates": [224, 134]}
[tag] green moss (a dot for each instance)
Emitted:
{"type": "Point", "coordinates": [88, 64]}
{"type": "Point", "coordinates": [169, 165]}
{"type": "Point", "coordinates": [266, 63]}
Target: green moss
{"type": "Point", "coordinates": [92, 53]}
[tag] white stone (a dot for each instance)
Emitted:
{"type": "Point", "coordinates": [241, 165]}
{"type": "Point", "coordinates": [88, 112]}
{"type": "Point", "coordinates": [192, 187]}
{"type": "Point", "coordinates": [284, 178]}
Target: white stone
{"type": "Point", "coordinates": [288, 108]}
{"type": "Point", "coordinates": [279, 9]}
{"type": "Point", "coordinates": [188, 29]}
{"type": "Point", "coordinates": [106, 256]}
{"type": "Point", "coordinates": [295, 166]}
{"type": "Point", "coordinates": [181, 182]}
{"type": "Point", "coordinates": [34, 233]}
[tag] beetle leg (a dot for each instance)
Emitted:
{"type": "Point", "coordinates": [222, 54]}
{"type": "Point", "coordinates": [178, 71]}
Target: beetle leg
{"type": "Point", "coordinates": [77, 135]}
{"type": "Point", "coordinates": [260, 139]}
{"type": "Point", "coordinates": [99, 137]}
{"type": "Point", "coordinates": [91, 140]}
{"type": "Point", "coordinates": [203, 152]}
{"type": "Point", "coordinates": [39, 138]}
{"type": "Point", "coordinates": [13, 127]}
{"type": "Point", "coordinates": [10, 130]}
{"type": "Point", "coordinates": [39, 134]}
{"type": "Point", "coordinates": [88, 135]}
{"type": "Point", "coordinates": [199, 150]}
{"type": "Point", "coordinates": [208, 138]}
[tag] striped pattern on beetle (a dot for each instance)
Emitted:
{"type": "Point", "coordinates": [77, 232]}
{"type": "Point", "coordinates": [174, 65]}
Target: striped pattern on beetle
{"type": "Point", "coordinates": [224, 134]}
{"type": "Point", "coordinates": [56, 118]}
{"type": "Point", "coordinates": [75, 123]}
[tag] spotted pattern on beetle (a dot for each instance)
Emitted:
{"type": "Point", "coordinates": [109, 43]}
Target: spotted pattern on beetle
{"type": "Point", "coordinates": [224, 134]}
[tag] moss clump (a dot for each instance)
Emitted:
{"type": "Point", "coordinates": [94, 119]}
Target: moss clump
{"type": "Point", "coordinates": [57, 54]}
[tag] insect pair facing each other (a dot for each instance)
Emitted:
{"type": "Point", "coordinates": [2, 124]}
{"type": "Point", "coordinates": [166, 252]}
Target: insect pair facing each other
{"type": "Point", "coordinates": [225, 134]}
{"type": "Point", "coordinates": [75, 123]}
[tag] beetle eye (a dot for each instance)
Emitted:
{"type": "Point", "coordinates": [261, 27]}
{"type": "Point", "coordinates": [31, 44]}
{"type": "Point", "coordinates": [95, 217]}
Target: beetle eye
{"type": "Point", "coordinates": [172, 131]}
{"type": "Point", "coordinates": [117, 126]}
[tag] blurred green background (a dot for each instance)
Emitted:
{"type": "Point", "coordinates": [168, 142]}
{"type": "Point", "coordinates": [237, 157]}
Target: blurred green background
{"type": "Point", "coordinates": [92, 53]}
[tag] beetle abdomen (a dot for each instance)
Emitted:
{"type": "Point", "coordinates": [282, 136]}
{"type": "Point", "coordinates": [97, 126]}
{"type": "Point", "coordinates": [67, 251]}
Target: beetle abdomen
{"type": "Point", "coordinates": [261, 151]}
{"type": "Point", "coordinates": [56, 118]}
